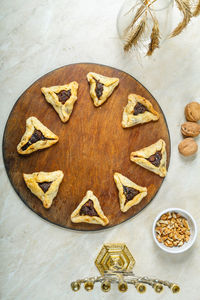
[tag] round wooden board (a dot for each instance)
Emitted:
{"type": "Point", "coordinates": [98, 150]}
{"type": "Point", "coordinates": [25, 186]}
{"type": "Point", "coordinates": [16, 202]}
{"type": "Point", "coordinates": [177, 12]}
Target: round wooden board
{"type": "Point", "coordinates": [92, 146]}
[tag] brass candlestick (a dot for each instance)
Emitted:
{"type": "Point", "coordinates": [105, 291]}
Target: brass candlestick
{"type": "Point", "coordinates": [115, 263]}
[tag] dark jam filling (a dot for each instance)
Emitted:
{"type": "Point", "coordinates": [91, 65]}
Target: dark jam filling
{"type": "Point", "coordinates": [155, 158]}
{"type": "Point", "coordinates": [99, 88]}
{"type": "Point", "coordinates": [129, 193]}
{"type": "Point", "coordinates": [44, 185]}
{"type": "Point", "coordinates": [88, 209]}
{"type": "Point", "coordinates": [139, 109]}
{"type": "Point", "coordinates": [63, 96]}
{"type": "Point", "coordinates": [36, 136]}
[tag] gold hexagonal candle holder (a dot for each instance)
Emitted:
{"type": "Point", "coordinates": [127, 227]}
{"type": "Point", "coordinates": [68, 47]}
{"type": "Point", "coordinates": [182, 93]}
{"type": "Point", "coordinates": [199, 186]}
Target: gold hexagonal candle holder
{"type": "Point", "coordinates": [114, 256]}
{"type": "Point", "coordinates": [115, 263]}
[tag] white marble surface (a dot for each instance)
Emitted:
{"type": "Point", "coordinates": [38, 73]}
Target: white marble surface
{"type": "Point", "coordinates": [39, 260]}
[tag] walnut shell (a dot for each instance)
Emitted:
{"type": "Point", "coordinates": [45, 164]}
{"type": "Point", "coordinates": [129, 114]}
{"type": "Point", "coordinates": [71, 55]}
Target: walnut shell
{"type": "Point", "coordinates": [192, 111]}
{"type": "Point", "coordinates": [188, 147]}
{"type": "Point", "coordinates": [190, 129]}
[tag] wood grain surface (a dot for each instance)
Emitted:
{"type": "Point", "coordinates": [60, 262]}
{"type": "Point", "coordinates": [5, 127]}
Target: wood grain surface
{"type": "Point", "coordinates": [92, 146]}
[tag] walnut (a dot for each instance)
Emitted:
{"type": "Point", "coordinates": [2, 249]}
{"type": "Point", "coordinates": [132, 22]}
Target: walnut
{"type": "Point", "coordinates": [188, 147]}
{"type": "Point", "coordinates": [190, 129]}
{"type": "Point", "coordinates": [192, 111]}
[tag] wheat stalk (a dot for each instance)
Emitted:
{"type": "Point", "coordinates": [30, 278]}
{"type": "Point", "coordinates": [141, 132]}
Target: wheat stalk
{"type": "Point", "coordinates": [136, 28]}
{"type": "Point", "coordinates": [138, 13]}
{"type": "Point", "coordinates": [155, 37]}
{"type": "Point", "coordinates": [184, 7]}
{"type": "Point", "coordinates": [197, 10]}
{"type": "Point", "coordinates": [134, 35]}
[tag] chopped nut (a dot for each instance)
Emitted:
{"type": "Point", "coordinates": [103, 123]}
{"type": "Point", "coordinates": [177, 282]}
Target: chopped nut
{"type": "Point", "coordinates": [158, 231]}
{"type": "Point", "coordinates": [159, 238]}
{"type": "Point", "coordinates": [180, 244]}
{"type": "Point", "coordinates": [164, 217]}
{"type": "Point", "coordinates": [174, 216]}
{"type": "Point", "coordinates": [163, 222]}
{"type": "Point", "coordinates": [167, 231]}
{"type": "Point", "coordinates": [185, 223]}
{"type": "Point", "coordinates": [172, 230]}
{"type": "Point", "coordinates": [187, 238]}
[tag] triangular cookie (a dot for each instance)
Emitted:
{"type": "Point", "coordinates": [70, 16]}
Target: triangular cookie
{"type": "Point", "coordinates": [44, 185]}
{"type": "Point", "coordinates": [89, 211]}
{"type": "Point", "coordinates": [101, 87]}
{"type": "Point", "coordinates": [62, 98]}
{"type": "Point", "coordinates": [36, 137]}
{"type": "Point", "coordinates": [129, 192]}
{"type": "Point", "coordinates": [138, 110]}
{"type": "Point", "coordinates": [152, 158]}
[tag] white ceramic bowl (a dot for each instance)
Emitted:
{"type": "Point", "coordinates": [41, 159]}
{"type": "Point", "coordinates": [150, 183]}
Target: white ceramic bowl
{"type": "Point", "coordinates": [193, 231]}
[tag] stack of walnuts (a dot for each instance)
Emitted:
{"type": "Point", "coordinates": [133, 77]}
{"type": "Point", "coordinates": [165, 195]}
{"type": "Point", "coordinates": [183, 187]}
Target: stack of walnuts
{"type": "Point", "coordinates": [190, 129]}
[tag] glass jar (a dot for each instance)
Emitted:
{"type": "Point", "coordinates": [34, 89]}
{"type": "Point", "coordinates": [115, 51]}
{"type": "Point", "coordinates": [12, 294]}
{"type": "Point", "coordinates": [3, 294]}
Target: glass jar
{"type": "Point", "coordinates": [159, 9]}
